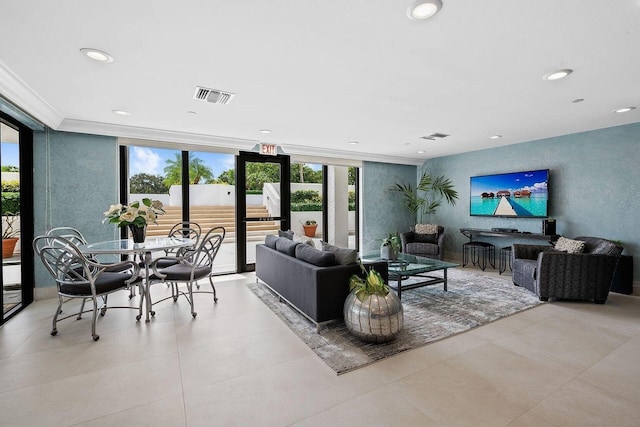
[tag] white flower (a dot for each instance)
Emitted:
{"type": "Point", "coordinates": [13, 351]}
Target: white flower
{"type": "Point", "coordinates": [130, 215]}
{"type": "Point", "coordinates": [157, 204]}
{"type": "Point", "coordinates": [114, 209]}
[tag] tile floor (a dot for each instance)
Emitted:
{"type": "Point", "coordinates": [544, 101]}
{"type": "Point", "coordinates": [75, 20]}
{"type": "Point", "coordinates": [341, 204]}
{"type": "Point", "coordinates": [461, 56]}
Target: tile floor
{"type": "Point", "coordinates": [237, 364]}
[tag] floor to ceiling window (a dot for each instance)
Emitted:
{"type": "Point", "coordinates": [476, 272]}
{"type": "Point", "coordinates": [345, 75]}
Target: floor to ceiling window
{"type": "Point", "coordinates": [16, 275]}
{"type": "Point", "coordinates": [11, 245]}
{"type": "Point", "coordinates": [212, 200]}
{"type": "Point", "coordinates": [194, 186]}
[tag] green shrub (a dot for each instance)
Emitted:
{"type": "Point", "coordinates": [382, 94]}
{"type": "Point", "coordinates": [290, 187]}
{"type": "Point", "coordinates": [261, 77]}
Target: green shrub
{"type": "Point", "coordinates": [302, 196]}
{"type": "Point", "coordinates": [10, 203]}
{"type": "Point", "coordinates": [12, 186]}
{"type": "Point", "coordinates": [254, 192]}
{"type": "Point", "coordinates": [306, 206]}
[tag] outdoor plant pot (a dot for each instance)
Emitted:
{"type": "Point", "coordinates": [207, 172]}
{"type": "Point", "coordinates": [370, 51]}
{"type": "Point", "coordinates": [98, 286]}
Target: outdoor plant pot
{"type": "Point", "coordinates": [310, 230]}
{"type": "Point", "coordinates": [8, 246]}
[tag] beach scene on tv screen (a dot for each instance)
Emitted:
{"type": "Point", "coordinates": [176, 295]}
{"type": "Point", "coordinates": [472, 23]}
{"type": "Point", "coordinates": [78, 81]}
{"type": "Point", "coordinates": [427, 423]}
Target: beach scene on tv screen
{"type": "Point", "coordinates": [516, 194]}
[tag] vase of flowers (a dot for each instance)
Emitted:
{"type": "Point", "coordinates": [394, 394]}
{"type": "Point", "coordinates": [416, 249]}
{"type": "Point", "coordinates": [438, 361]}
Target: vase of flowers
{"type": "Point", "coordinates": [136, 216]}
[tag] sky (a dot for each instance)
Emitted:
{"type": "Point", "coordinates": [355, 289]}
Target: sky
{"type": "Point", "coordinates": [9, 154]}
{"type": "Point", "coordinates": [153, 160]}
{"type": "Point", "coordinates": [534, 181]}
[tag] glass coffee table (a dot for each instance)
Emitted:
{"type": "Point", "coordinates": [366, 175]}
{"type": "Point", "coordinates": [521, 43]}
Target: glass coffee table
{"type": "Point", "coordinates": [407, 266]}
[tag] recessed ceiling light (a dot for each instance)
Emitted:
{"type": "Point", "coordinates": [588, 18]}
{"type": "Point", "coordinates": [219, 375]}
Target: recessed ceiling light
{"type": "Point", "coordinates": [354, 142]}
{"type": "Point", "coordinates": [624, 110]}
{"type": "Point", "coordinates": [121, 112]}
{"type": "Point", "coordinates": [495, 136]}
{"type": "Point", "coordinates": [265, 131]}
{"type": "Point", "coordinates": [424, 9]}
{"type": "Point", "coordinates": [96, 55]}
{"type": "Point", "coordinates": [421, 152]}
{"type": "Point", "coordinates": [558, 74]}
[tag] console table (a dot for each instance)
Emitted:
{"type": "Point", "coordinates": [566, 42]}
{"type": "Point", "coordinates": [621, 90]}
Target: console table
{"type": "Point", "coordinates": [470, 232]}
{"type": "Point", "coordinates": [505, 251]}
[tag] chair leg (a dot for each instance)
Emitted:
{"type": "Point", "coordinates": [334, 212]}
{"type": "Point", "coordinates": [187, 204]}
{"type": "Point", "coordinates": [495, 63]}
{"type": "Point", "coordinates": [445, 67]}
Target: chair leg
{"type": "Point", "coordinates": [81, 309]}
{"type": "Point", "coordinates": [54, 328]}
{"type": "Point", "coordinates": [190, 289]}
{"type": "Point", "coordinates": [103, 309]}
{"type": "Point", "coordinates": [95, 336]}
{"type": "Point", "coordinates": [213, 288]}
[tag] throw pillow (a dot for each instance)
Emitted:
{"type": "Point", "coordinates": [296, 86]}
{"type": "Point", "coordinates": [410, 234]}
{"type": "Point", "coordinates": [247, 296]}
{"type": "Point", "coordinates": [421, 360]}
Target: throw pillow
{"type": "Point", "coordinates": [315, 256]}
{"type": "Point", "coordinates": [286, 246]}
{"type": "Point", "coordinates": [301, 238]}
{"type": "Point", "coordinates": [344, 256]}
{"type": "Point", "coordinates": [426, 228]}
{"type": "Point", "coordinates": [270, 240]}
{"type": "Point", "coordinates": [569, 246]}
{"type": "Point", "coordinates": [288, 234]}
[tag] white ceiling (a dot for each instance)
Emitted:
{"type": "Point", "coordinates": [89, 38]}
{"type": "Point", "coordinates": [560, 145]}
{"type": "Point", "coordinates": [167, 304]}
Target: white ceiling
{"type": "Point", "coordinates": [320, 74]}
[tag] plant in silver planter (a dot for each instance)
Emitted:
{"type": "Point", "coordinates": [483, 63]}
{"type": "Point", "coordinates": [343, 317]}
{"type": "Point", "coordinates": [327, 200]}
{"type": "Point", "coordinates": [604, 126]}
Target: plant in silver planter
{"type": "Point", "coordinates": [390, 247]}
{"type": "Point", "coordinates": [371, 311]}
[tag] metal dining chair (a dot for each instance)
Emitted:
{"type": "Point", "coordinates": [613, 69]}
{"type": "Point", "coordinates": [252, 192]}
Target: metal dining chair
{"type": "Point", "coordinates": [186, 229]}
{"type": "Point", "coordinates": [190, 266]}
{"type": "Point", "coordinates": [80, 277]}
{"type": "Point", "coordinates": [76, 237]}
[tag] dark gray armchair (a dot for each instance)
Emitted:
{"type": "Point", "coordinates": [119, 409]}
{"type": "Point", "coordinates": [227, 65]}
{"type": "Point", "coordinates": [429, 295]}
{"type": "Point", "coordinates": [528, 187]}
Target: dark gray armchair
{"type": "Point", "coordinates": [553, 274]}
{"type": "Point", "coordinates": [425, 245]}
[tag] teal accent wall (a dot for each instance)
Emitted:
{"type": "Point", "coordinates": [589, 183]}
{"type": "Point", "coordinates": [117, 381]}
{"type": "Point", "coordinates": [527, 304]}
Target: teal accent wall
{"type": "Point", "coordinates": [382, 209]}
{"type": "Point", "coordinates": [594, 186]}
{"type": "Point", "coordinates": [75, 181]}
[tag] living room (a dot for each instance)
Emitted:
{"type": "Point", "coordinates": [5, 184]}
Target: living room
{"type": "Point", "coordinates": [561, 363]}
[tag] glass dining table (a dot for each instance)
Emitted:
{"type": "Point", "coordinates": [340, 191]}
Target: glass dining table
{"type": "Point", "coordinates": [144, 250]}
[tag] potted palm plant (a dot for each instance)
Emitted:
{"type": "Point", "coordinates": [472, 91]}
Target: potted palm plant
{"type": "Point", "coordinates": [371, 311]}
{"type": "Point", "coordinates": [10, 235]}
{"type": "Point", "coordinates": [429, 195]}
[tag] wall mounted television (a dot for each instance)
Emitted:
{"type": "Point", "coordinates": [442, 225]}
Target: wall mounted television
{"type": "Point", "coordinates": [517, 194]}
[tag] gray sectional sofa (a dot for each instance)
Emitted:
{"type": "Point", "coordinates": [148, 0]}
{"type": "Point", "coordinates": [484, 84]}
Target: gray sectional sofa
{"type": "Point", "coordinates": [310, 280]}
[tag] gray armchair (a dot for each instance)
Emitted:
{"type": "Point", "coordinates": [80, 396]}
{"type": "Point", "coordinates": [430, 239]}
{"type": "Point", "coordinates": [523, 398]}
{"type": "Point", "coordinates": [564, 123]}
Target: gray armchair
{"type": "Point", "coordinates": [425, 245]}
{"type": "Point", "coordinates": [553, 274]}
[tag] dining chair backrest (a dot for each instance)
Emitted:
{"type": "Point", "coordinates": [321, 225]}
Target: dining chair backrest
{"type": "Point", "coordinates": [188, 229]}
{"type": "Point", "coordinates": [72, 234]}
{"type": "Point", "coordinates": [62, 259]}
{"type": "Point", "coordinates": [206, 251]}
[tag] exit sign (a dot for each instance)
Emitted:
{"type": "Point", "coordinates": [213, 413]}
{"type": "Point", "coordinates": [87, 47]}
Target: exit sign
{"type": "Point", "coordinates": [269, 149]}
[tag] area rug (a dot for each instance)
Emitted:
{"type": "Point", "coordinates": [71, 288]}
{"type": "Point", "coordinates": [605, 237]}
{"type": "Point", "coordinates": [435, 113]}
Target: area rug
{"type": "Point", "coordinates": [430, 314]}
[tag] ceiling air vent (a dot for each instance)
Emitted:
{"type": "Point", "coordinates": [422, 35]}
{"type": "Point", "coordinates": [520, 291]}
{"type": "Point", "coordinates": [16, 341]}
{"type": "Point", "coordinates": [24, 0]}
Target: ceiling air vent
{"type": "Point", "coordinates": [435, 136]}
{"type": "Point", "coordinates": [213, 96]}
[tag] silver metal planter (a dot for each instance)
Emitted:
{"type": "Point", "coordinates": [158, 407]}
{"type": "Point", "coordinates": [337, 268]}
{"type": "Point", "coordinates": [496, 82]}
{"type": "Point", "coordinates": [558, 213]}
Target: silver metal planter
{"type": "Point", "coordinates": [376, 318]}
